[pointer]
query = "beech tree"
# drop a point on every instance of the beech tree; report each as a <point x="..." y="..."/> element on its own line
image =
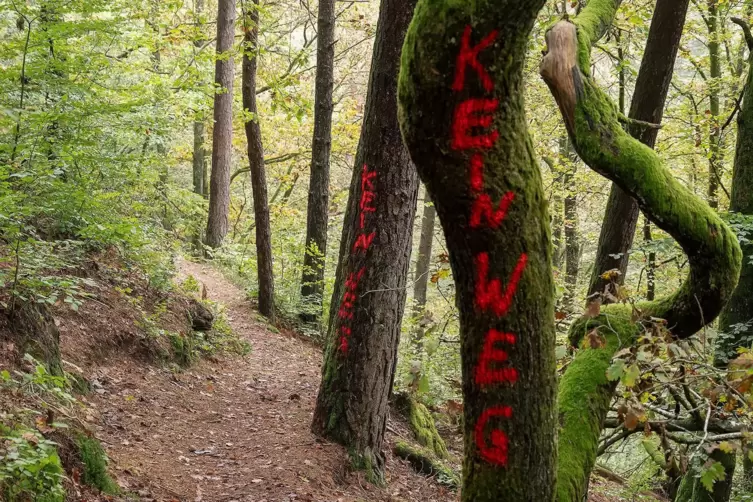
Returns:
<point x="222" y="143"/>
<point x="369" y="297"/>
<point x="317" y="215"/>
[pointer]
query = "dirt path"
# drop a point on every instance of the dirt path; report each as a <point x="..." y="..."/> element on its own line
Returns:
<point x="236" y="429"/>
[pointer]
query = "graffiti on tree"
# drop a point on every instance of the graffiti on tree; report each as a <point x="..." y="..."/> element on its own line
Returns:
<point x="471" y="125"/>
<point x="361" y="245"/>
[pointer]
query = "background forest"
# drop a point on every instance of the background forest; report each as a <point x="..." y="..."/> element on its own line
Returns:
<point x="129" y="143"/>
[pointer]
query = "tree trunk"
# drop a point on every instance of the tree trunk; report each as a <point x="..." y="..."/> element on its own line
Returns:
<point x="199" y="138"/>
<point x="572" y="246"/>
<point x="650" y="264"/>
<point x="222" y="136"/>
<point x="369" y="297"/>
<point x="312" y="283"/>
<point x="256" y="165"/>
<point x="423" y="262"/>
<point x="739" y="310"/>
<point x="651" y="88"/>
<point x="715" y="75"/>
<point x="462" y="117"/>
<point x="691" y="489"/>
<point x="558" y="215"/>
<point x="713" y="253"/>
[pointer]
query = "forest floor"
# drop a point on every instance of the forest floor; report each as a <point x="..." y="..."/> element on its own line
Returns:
<point x="228" y="428"/>
<point x="234" y="428"/>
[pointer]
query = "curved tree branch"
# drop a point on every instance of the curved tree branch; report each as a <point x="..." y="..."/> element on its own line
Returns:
<point x="592" y="120"/>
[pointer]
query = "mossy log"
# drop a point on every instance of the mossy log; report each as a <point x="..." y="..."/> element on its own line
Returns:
<point x="714" y="255"/>
<point x="424" y="462"/>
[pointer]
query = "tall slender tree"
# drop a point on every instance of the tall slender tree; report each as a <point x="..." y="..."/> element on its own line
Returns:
<point x="716" y="151"/>
<point x="312" y="283"/>
<point x="222" y="143"/>
<point x="651" y="88"/>
<point x="370" y="286"/>
<point x="199" y="126"/>
<point x="423" y="261"/>
<point x="265" y="272"/>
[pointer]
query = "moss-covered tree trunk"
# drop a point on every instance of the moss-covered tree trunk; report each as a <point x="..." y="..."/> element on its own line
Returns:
<point x="651" y="88"/>
<point x="714" y="255"/>
<point x="692" y="490"/>
<point x="370" y="288"/>
<point x="462" y="117"/>
<point x="713" y="19"/>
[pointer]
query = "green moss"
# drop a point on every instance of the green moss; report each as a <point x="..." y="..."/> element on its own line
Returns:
<point x="585" y="394"/>
<point x="95" y="461"/>
<point x="422" y="424"/>
<point x="366" y="461"/>
<point x="711" y="246"/>
<point x="424" y="462"/>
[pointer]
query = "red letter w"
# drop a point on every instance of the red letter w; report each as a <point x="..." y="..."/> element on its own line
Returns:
<point x="489" y="294"/>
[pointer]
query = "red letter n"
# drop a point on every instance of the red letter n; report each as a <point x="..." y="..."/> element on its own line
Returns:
<point x="489" y="294"/>
<point x="364" y="241"/>
<point x="482" y="208"/>
<point x="469" y="56"/>
<point x="486" y="372"/>
<point x="471" y="114"/>
<point x="496" y="452"/>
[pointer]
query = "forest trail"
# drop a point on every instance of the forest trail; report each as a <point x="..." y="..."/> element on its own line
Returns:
<point x="235" y="429"/>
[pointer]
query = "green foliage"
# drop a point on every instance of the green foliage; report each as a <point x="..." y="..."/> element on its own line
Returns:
<point x="30" y="468"/>
<point x="711" y="473"/>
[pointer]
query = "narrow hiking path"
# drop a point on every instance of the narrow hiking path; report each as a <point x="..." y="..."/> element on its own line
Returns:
<point x="234" y="429"/>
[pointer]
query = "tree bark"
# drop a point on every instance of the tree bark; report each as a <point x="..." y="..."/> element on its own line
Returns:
<point x="256" y="165"/>
<point x="423" y="263"/>
<point x="739" y="310"/>
<point x="650" y="264"/>
<point x="651" y="88"/>
<point x="715" y="75"/>
<point x="462" y="117"/>
<point x="713" y="252"/>
<point x="369" y="297"/>
<point x="572" y="235"/>
<point x="691" y="489"/>
<point x="312" y="283"/>
<point x="199" y="128"/>
<point x="222" y="136"/>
